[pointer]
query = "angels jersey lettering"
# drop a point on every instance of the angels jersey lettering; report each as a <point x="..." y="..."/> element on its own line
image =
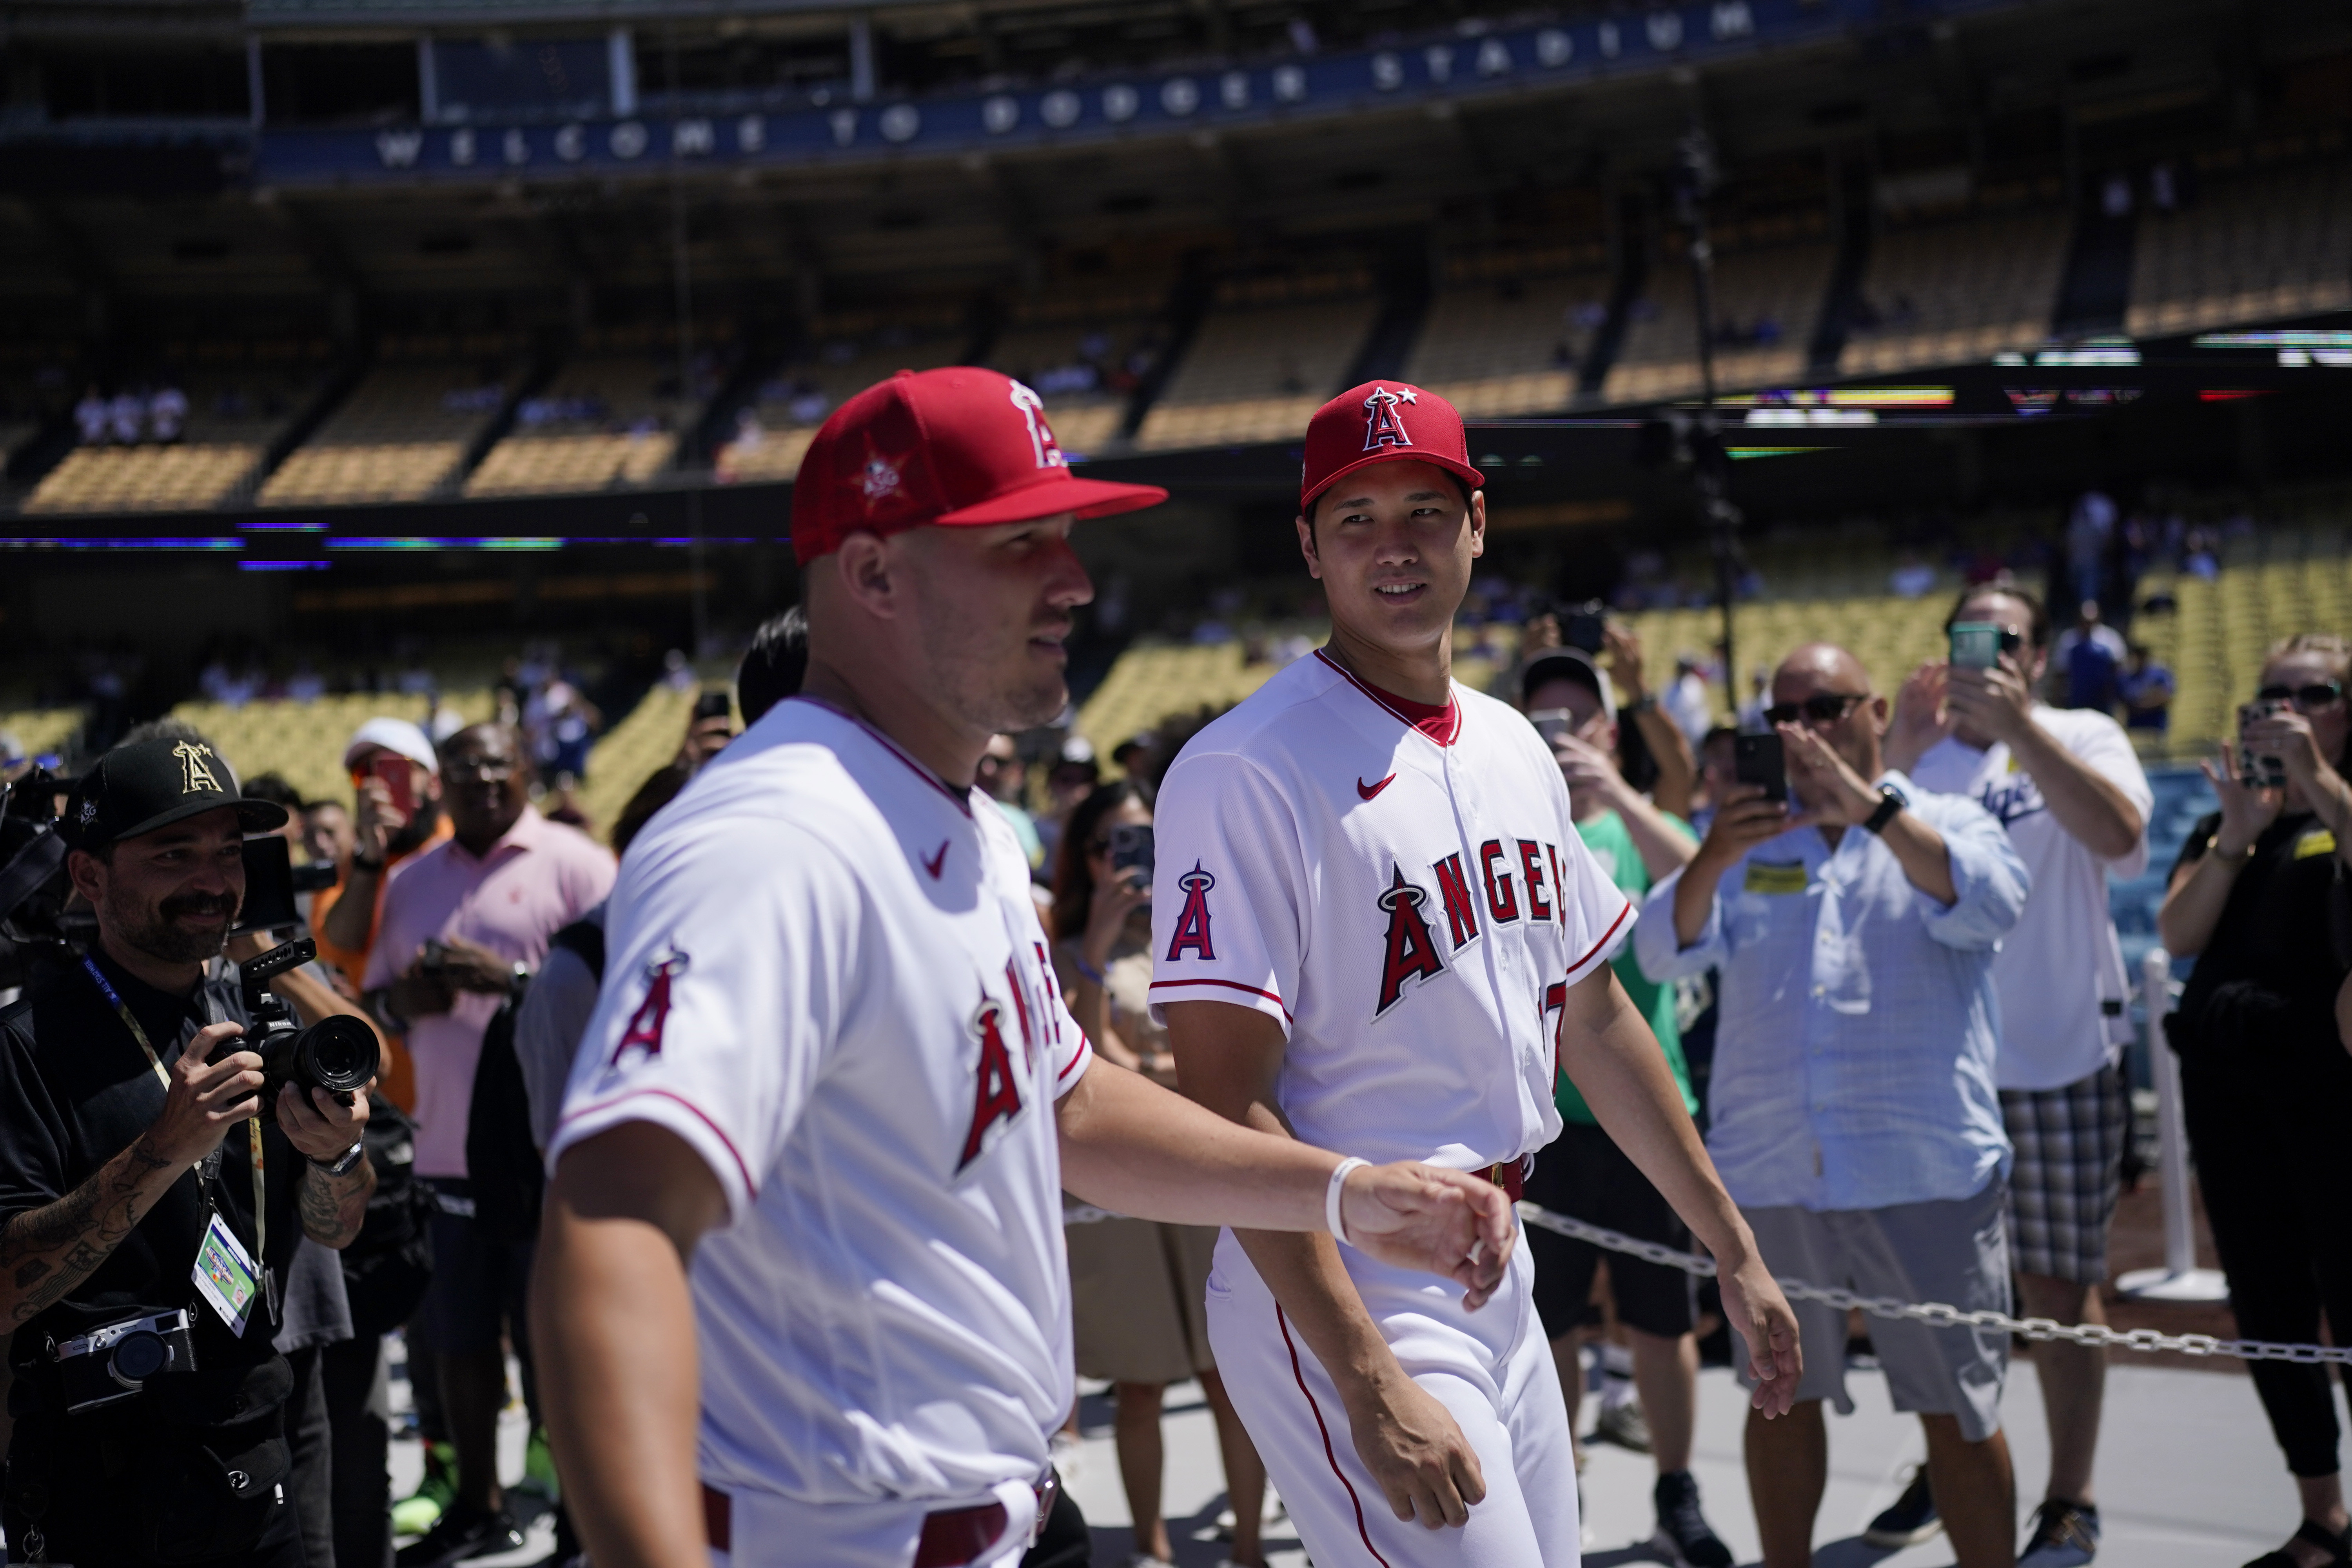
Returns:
<point x="865" y="1051"/>
<point x="1408" y="938"/>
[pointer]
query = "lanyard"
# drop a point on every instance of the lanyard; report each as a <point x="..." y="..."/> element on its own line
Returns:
<point x="252" y="1125"/>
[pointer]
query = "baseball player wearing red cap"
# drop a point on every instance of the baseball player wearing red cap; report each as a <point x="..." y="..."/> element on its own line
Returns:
<point x="819" y="1126"/>
<point x="1375" y="927"/>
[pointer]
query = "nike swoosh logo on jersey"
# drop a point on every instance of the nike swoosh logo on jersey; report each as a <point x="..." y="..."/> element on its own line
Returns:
<point x="1367" y="791"/>
<point x="932" y="863"/>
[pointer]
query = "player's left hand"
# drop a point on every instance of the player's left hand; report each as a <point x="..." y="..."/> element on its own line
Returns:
<point x="1440" y="1222"/>
<point x="1752" y="1301"/>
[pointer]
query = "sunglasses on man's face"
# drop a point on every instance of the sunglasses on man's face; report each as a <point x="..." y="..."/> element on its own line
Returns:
<point x="1821" y="707"/>
<point x="2319" y="694"/>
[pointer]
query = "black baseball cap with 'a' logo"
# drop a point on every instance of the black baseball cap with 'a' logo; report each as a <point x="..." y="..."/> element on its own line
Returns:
<point x="148" y="785"/>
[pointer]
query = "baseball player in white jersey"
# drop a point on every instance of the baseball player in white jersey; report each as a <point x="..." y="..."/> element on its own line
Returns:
<point x="819" y="1125"/>
<point x="1375" y="927"/>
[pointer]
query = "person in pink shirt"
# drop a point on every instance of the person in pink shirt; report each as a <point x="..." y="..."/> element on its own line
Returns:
<point x="464" y="924"/>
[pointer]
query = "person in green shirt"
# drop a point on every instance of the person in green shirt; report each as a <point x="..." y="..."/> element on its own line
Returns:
<point x="1572" y="701"/>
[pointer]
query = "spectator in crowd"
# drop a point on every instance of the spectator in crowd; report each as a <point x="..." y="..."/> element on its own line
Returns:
<point x="390" y="827"/>
<point x="1137" y="1287"/>
<point x="1071" y="778"/>
<point x="2067" y="787"/>
<point x="89" y="418"/>
<point x="328" y="836"/>
<point x="1583" y="1172"/>
<point x="1751" y="717"/>
<point x="2147" y="688"/>
<point x="126" y="417"/>
<point x="2089" y="528"/>
<point x="1657" y="756"/>
<point x="2091" y="652"/>
<point x="1686" y="701"/>
<point x="98" y="1227"/>
<point x="1005" y="780"/>
<point x="2257" y="899"/>
<point x="774" y="666"/>
<point x="1718" y="771"/>
<point x="1853" y="1113"/>
<point x="167" y="413"/>
<point x="462" y="925"/>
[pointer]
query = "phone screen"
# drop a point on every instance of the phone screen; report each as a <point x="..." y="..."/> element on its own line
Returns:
<point x="712" y="704"/>
<point x="1757" y="760"/>
<point x="2256" y="771"/>
<point x="1976" y="645"/>
<point x="395" y="772"/>
<point x="1551" y="724"/>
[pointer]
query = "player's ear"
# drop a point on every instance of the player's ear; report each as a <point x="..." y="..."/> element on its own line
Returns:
<point x="1306" y="546"/>
<point x="1478" y="524"/>
<point x="867" y="572"/>
<point x="88" y="873"/>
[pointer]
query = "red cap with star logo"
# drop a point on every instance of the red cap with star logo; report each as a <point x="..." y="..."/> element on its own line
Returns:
<point x="958" y="448"/>
<point x="1380" y="422"/>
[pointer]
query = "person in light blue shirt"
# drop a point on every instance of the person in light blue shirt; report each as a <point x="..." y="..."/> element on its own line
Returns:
<point x="1854" y="1116"/>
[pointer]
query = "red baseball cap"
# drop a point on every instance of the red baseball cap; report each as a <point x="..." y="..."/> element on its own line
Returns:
<point x="958" y="448"/>
<point x="1379" y="422"/>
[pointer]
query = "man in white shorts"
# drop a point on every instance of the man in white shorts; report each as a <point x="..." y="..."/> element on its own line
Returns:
<point x="820" y="1122"/>
<point x="1374" y="923"/>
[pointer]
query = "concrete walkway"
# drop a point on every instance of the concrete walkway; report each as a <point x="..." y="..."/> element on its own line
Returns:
<point x="2188" y="1475"/>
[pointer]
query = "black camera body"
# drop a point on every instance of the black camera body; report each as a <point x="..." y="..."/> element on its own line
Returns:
<point x="114" y="1362"/>
<point x="339" y="1054"/>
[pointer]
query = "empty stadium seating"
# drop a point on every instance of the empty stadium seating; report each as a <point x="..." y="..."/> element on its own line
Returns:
<point x="235" y="411"/>
<point x="403" y="431"/>
<point x="1268" y="354"/>
<point x="615" y="422"/>
<point x="2251" y="246"/>
<point x="40" y="730"/>
<point x="853" y="352"/>
<point x="1499" y="349"/>
<point x="1064" y="335"/>
<point x="1959" y="289"/>
<point x="1784" y="284"/>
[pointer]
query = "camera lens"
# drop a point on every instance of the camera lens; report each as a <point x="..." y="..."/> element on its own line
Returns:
<point x="337" y="1054"/>
<point x="138" y="1357"/>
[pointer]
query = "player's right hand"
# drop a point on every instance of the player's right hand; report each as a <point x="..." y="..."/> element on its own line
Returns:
<point x="1415" y="1450"/>
<point x="1448" y="1222"/>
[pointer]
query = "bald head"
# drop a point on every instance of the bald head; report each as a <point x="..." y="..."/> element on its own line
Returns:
<point x="1818" y="667"/>
<point x="1831" y="689"/>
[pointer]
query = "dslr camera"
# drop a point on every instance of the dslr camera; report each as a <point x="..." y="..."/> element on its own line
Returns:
<point x="114" y="1362"/>
<point x="338" y="1054"/>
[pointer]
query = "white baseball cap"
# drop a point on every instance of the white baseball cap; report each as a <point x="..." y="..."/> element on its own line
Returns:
<point x="395" y="735"/>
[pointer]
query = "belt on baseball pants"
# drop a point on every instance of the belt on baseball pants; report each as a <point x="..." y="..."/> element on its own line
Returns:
<point x="951" y="1537"/>
<point x="1511" y="1175"/>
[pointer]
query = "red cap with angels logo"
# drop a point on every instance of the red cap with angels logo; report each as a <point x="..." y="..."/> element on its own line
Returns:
<point x="961" y="447"/>
<point x="1380" y="422"/>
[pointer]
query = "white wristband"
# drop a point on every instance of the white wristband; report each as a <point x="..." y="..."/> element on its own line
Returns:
<point x="1331" y="1220"/>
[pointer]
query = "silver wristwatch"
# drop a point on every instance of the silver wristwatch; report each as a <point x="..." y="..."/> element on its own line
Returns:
<point x="342" y="1165"/>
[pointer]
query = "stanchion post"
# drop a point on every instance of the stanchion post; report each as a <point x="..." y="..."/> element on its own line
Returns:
<point x="2179" y="1280"/>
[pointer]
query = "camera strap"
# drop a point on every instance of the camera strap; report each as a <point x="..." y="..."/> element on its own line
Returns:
<point x="207" y="1170"/>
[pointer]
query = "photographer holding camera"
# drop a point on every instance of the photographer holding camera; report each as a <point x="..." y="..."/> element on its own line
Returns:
<point x="143" y="1232"/>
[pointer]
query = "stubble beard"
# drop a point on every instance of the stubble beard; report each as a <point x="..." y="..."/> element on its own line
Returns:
<point x="156" y="930"/>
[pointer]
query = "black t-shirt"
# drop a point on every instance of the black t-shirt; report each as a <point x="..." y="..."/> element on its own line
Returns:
<point x="2263" y="991"/>
<point x="75" y="1091"/>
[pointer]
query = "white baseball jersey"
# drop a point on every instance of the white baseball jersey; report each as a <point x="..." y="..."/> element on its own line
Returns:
<point x="828" y="979"/>
<point x="1405" y="892"/>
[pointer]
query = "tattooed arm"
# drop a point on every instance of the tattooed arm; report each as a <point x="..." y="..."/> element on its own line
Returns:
<point x="324" y="1129"/>
<point x="44" y="1253"/>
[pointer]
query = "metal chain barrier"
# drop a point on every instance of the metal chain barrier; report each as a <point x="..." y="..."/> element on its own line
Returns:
<point x="1935" y="1314"/>
<point x="1939" y="1315"/>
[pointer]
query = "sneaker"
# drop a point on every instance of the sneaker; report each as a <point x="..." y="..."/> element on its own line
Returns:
<point x="1625" y="1426"/>
<point x="422" y="1510"/>
<point x="2065" y="1535"/>
<point x="1911" y="1520"/>
<point x="1682" y="1526"/>
<point x="462" y="1532"/>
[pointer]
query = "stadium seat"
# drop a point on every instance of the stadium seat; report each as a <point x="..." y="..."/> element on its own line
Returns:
<point x="1495" y="350"/>
<point x="1784" y="284"/>
<point x="1257" y="370"/>
<point x="401" y="433"/>
<point x="609" y="421"/>
<point x="2253" y="245"/>
<point x="1956" y="290"/>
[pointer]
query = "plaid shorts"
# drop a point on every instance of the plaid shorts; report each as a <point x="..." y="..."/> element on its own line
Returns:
<point x="2069" y="1172"/>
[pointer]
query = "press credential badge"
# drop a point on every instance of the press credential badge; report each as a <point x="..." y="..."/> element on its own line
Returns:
<point x="226" y="1276"/>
